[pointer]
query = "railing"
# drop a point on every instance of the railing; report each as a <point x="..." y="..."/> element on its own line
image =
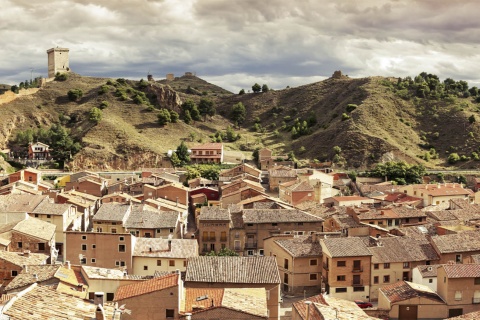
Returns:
<point x="223" y="239"/>
<point x="357" y="282"/>
<point x="357" y="269"/>
<point x="325" y="266"/>
<point x="475" y="300"/>
<point x="251" y="245"/>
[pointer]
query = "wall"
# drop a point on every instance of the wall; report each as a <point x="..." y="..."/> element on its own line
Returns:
<point x="139" y="264"/>
<point x="217" y="227"/>
<point x="10" y="95"/>
<point x="417" y="278"/>
<point x="448" y="286"/>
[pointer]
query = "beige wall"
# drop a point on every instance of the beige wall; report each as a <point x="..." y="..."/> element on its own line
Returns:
<point x="223" y="313"/>
<point x="152" y="265"/>
<point x="447" y="287"/>
<point x="210" y="233"/>
<point x="395" y="273"/>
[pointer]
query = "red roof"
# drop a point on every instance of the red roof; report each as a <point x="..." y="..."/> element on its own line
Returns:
<point x="149" y="286"/>
<point x="212" y="145"/>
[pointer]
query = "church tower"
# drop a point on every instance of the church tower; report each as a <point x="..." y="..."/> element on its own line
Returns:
<point x="57" y="61"/>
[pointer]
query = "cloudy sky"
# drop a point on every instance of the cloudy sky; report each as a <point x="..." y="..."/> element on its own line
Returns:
<point x="235" y="43"/>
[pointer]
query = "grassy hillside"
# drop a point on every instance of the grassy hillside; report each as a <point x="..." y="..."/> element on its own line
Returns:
<point x="370" y="119"/>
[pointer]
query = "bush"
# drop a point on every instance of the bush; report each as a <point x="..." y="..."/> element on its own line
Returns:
<point x="95" y="115"/>
<point x="241" y="92"/>
<point x="351" y="107"/>
<point x="104" y="104"/>
<point x="164" y="117"/>
<point x="61" y="76"/>
<point x="75" y="94"/>
<point x="345" y="116"/>
<point x="103" y="89"/>
<point x="453" y="158"/>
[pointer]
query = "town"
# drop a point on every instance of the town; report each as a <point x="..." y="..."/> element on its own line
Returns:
<point x="153" y="245"/>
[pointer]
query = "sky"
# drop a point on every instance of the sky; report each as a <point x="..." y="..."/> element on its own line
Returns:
<point x="236" y="43"/>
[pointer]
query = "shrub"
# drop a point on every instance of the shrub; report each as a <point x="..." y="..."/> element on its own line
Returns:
<point x="61" y="76"/>
<point x="164" y="117"/>
<point x="345" y="116"/>
<point x="104" y="104"/>
<point x="453" y="158"/>
<point x="351" y="107"/>
<point x="103" y="89"/>
<point x="241" y="92"/>
<point x="95" y="115"/>
<point x="75" y="94"/>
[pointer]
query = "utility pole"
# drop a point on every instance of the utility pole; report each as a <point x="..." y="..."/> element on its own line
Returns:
<point x="31" y="74"/>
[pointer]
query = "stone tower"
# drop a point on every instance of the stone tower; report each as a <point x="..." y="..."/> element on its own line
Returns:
<point x="57" y="61"/>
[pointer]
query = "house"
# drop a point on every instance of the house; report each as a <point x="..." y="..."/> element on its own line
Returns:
<point x="111" y="217"/>
<point x="154" y="254"/>
<point x="243" y="170"/>
<point x="459" y="286"/>
<point x="142" y="298"/>
<point x="280" y="174"/>
<point x="237" y="272"/>
<point x="173" y="192"/>
<point x="239" y="195"/>
<point x="100" y="249"/>
<point x="38" y="151"/>
<point x="119" y="197"/>
<point x="154" y="223"/>
<point x="436" y="194"/>
<point x="299" y="261"/>
<point x="394" y="258"/>
<point x="12" y="263"/>
<point x="295" y="192"/>
<point x="346" y="267"/>
<point x="91" y="184"/>
<point x="266" y="160"/>
<point x="408" y="300"/>
<point x="213" y="225"/>
<point x="347" y="201"/>
<point x="321" y="182"/>
<point x="426" y="275"/>
<point x="48" y="303"/>
<point x="29" y="175"/>
<point x="207" y="153"/>
<point x="456" y="247"/>
<point x="388" y="217"/>
<point x="225" y="303"/>
<point x="345" y="224"/>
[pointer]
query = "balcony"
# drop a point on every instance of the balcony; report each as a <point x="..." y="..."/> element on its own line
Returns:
<point x="357" y="283"/>
<point x="223" y="239"/>
<point x="357" y="269"/>
<point x="325" y="266"/>
<point x="475" y="300"/>
<point x="251" y="245"/>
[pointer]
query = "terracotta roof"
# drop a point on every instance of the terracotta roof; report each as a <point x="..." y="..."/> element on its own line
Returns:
<point x="213" y="213"/>
<point x="20" y="202"/>
<point x="428" y="271"/>
<point x="145" y="287"/>
<point x="347" y="221"/>
<point x="37" y="228"/>
<point x="300" y="186"/>
<point x="148" y="219"/>
<point x="459" y="242"/>
<point x="350" y="198"/>
<point x="301" y="246"/>
<point x="105" y="273"/>
<point x="112" y="211"/>
<point x="404" y="290"/>
<point x="302" y="307"/>
<point x="48" y="207"/>
<point x="211" y="295"/>
<point x="470" y="316"/>
<point x="232" y="270"/>
<point x="43" y="302"/>
<point x="462" y="270"/>
<point x="211" y="145"/>
<point x="277" y="215"/>
<point x="346" y="247"/>
<point x="441" y="215"/>
<point x="401" y="249"/>
<point x="27" y="276"/>
<point x="159" y="248"/>
<point x="20" y="259"/>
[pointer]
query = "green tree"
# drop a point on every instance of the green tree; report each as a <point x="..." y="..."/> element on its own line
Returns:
<point x="174" y="160"/>
<point x="164" y="117"/>
<point x="242" y="91"/>
<point x="187" y="117"/>
<point x="401" y="172"/>
<point x="182" y="154"/>
<point x="174" y="116"/>
<point x="223" y="253"/>
<point x="256" y="88"/>
<point x="238" y="113"/>
<point x="95" y="115"/>
<point x="75" y="94"/>
<point x="62" y="144"/>
<point x="471" y="119"/>
<point x="337" y="149"/>
<point x="265" y="88"/>
<point x="206" y="108"/>
<point x="190" y="106"/>
<point x="255" y="154"/>
<point x="231" y="135"/>
<point x="453" y="158"/>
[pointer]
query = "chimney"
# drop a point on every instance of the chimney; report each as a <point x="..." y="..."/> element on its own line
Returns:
<point x="67" y="263"/>
<point x="99" y="312"/>
<point x="26" y="253"/>
<point x="150" y="249"/>
<point x="314" y="237"/>
<point x="169" y="245"/>
<point x="35" y="276"/>
<point x="99" y="298"/>
<point x="125" y="273"/>
<point x="177" y="202"/>
<point x="25" y="268"/>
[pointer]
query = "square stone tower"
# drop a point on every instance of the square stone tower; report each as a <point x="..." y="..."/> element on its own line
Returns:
<point x="57" y="61"/>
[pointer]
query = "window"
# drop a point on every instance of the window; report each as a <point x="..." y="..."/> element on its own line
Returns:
<point x="313" y="262"/>
<point x="114" y="230"/>
<point x="406" y="265"/>
<point x="171" y="230"/>
<point x="171" y="263"/>
<point x="212" y="246"/>
<point x="274" y="224"/>
<point x="205" y="248"/>
<point x="117" y="263"/>
<point x="249" y="252"/>
<point x="212" y="236"/>
<point x="458" y="258"/>
<point x="340" y="278"/>
<point x="386" y="266"/>
<point x="430" y="280"/>
<point x="236" y="245"/>
<point x="261" y="252"/>
<point x="159" y="231"/>
<point x="94" y="260"/>
<point x="36" y="215"/>
<point x="223" y="236"/>
<point x="84" y="237"/>
<point x="285" y="263"/>
<point x="159" y="263"/>
<point x="313" y="276"/>
<point x="84" y="247"/>
<point x="145" y="267"/>
<point x="358" y="289"/>
<point x="299" y="223"/>
<point x="375" y="279"/>
<point x="121" y="238"/>
<point x="375" y="266"/>
<point x="121" y="248"/>
<point x="83" y="260"/>
<point x="48" y="216"/>
<point x="223" y="245"/>
<point x="205" y="236"/>
<point x="237" y="235"/>
<point x="386" y="279"/>
<point x="184" y="263"/>
<point x="169" y="313"/>
<point x="341" y="263"/>
<point x="458" y="295"/>
<point x="122" y="263"/>
<point x="19" y="245"/>
<point x="340" y="290"/>
<point x="477" y="281"/>
<point x="99" y="230"/>
<point x="41" y="246"/>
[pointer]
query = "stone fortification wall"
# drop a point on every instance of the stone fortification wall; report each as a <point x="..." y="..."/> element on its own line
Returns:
<point x="10" y="96"/>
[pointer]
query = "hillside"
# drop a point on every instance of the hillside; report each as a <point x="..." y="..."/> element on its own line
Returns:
<point x="383" y="124"/>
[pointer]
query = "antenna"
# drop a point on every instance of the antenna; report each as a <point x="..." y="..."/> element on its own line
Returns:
<point x="31" y="74"/>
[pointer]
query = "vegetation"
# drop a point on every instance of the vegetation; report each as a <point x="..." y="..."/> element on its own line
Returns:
<point x="265" y="88"/>
<point x="399" y="172"/>
<point x="256" y="88"/>
<point x="238" y="113"/>
<point x="61" y="76"/>
<point x="164" y="117"/>
<point x="206" y="107"/>
<point x="189" y="107"/>
<point x="75" y="94"/>
<point x="182" y="154"/>
<point x="223" y="252"/>
<point x="95" y="115"/>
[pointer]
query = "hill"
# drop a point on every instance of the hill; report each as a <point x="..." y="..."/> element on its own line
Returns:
<point x="367" y="120"/>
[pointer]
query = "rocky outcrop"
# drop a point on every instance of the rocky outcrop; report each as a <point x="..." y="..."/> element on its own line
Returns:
<point x="166" y="97"/>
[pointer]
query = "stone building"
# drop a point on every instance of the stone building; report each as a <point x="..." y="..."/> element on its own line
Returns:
<point x="57" y="61"/>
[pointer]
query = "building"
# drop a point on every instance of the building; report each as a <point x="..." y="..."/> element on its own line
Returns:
<point x="207" y="153"/>
<point x="436" y="194"/>
<point x="57" y="61"/>
<point x="214" y="225"/>
<point x="426" y="275"/>
<point x="38" y="151"/>
<point x="456" y="247"/>
<point x="346" y="267"/>
<point x="347" y="201"/>
<point x="12" y="263"/>
<point x="237" y="272"/>
<point x="280" y="174"/>
<point x="29" y="175"/>
<point x="295" y="192"/>
<point x="111" y="217"/>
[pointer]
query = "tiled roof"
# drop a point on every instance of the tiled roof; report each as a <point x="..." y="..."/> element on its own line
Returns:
<point x="37" y="228"/>
<point x="21" y="259"/>
<point x="462" y="270"/>
<point x="346" y="247"/>
<point x="347" y="221"/>
<point x="112" y="211"/>
<point x="48" y="207"/>
<point x="406" y="212"/>
<point x="301" y="246"/>
<point x="404" y="290"/>
<point x="105" y="273"/>
<point x="341" y="309"/>
<point x="208" y="146"/>
<point x="300" y="186"/>
<point x="148" y="219"/>
<point x="350" y="198"/>
<point x="428" y="271"/>
<point x="211" y="295"/>
<point x="467" y="316"/>
<point x="232" y="270"/>
<point x="402" y="249"/>
<point x="20" y="202"/>
<point x="459" y="242"/>
<point x="43" y="302"/>
<point x="441" y="215"/>
<point x="282" y="173"/>
<point x="27" y="276"/>
<point x="145" y="287"/>
<point x="159" y="248"/>
<point x="213" y="213"/>
<point x="302" y="307"/>
<point x="277" y="215"/>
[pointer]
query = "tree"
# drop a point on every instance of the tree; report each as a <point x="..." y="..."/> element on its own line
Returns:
<point x="337" y="149"/>
<point x="265" y="88"/>
<point x="62" y="144"/>
<point x="190" y="106"/>
<point x="75" y="94"/>
<point x="223" y="252"/>
<point x="242" y="91"/>
<point x="174" y="160"/>
<point x="206" y="108"/>
<point x="174" y="116"/>
<point x="95" y="114"/>
<point x="453" y="158"/>
<point x="182" y="153"/>
<point x="164" y="117"/>
<point x="256" y="88"/>
<point x="238" y="113"/>
<point x="471" y="119"/>
<point x="400" y="172"/>
<point x="187" y="117"/>
<point x="255" y="155"/>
